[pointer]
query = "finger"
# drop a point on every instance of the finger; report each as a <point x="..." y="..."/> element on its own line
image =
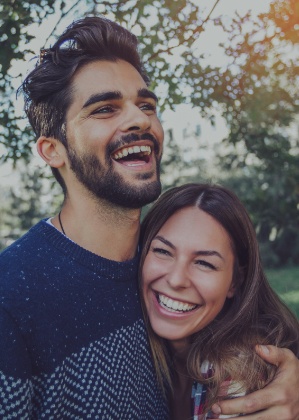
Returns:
<point x="273" y="413"/>
<point x="275" y="355"/>
<point x="251" y="403"/>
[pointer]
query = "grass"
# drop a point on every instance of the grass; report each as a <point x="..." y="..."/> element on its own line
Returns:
<point x="285" y="282"/>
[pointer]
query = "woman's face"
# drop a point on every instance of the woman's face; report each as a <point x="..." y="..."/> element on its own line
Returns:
<point x="187" y="274"/>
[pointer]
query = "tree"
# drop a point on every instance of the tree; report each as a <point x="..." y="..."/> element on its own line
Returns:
<point x="260" y="103"/>
<point x="15" y="18"/>
<point x="258" y="73"/>
<point x="26" y="204"/>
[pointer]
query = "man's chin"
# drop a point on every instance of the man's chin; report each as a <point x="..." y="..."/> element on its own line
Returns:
<point x="136" y="198"/>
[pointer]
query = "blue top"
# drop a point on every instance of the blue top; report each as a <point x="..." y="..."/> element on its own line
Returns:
<point x="73" y="343"/>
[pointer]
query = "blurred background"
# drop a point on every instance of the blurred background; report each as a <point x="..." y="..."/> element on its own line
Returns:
<point x="227" y="76"/>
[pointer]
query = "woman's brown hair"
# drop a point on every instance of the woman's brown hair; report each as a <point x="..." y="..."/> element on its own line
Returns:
<point x="255" y="315"/>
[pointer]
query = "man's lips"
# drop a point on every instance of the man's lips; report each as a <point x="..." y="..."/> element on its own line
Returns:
<point x="134" y="152"/>
<point x="134" y="147"/>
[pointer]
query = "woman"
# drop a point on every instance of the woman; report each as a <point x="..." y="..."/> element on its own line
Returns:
<point x="207" y="298"/>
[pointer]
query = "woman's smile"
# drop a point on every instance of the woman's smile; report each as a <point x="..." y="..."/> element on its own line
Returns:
<point x="174" y="305"/>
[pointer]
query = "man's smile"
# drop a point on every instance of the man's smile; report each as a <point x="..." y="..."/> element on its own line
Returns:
<point x="129" y="153"/>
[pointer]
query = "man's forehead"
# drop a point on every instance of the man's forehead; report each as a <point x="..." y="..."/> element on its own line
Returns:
<point x="108" y="71"/>
<point x="100" y="80"/>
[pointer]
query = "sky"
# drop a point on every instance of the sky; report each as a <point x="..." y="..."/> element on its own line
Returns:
<point x="183" y="116"/>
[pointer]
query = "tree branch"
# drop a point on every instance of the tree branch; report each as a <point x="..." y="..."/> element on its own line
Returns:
<point x="60" y="19"/>
<point x="194" y="33"/>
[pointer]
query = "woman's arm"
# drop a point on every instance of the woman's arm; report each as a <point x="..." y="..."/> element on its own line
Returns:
<point x="278" y="400"/>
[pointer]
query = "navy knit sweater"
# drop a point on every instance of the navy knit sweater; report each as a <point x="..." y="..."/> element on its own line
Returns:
<point x="73" y="343"/>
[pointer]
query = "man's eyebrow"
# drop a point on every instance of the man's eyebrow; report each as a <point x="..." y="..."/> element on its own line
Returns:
<point x="103" y="96"/>
<point x="145" y="93"/>
<point x="116" y="95"/>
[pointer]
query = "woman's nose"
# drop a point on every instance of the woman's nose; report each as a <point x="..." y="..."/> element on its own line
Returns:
<point x="178" y="277"/>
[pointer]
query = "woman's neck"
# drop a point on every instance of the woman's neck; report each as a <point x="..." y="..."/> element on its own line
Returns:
<point x="180" y="401"/>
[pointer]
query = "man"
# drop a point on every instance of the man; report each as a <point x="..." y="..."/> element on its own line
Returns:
<point x="73" y="343"/>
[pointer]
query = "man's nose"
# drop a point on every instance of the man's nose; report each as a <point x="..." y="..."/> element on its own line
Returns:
<point x="135" y="120"/>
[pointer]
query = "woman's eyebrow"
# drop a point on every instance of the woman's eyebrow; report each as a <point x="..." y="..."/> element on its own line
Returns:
<point x="165" y="241"/>
<point x="208" y="253"/>
<point x="103" y="96"/>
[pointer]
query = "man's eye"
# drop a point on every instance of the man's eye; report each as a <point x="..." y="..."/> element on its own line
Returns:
<point x="103" y="110"/>
<point x="148" y="107"/>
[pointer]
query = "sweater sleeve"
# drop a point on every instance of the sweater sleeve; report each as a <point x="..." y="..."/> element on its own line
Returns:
<point x="15" y="371"/>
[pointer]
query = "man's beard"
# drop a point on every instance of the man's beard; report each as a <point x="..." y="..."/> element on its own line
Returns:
<point x="104" y="183"/>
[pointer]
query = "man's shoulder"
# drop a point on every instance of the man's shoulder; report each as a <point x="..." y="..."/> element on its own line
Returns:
<point x="23" y="243"/>
<point x="21" y="255"/>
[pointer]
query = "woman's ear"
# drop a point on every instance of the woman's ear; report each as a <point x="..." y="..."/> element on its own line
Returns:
<point x="237" y="281"/>
<point x="231" y="291"/>
<point x="51" y="151"/>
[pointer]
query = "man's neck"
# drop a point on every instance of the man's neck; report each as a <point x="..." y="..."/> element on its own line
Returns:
<point x="109" y="231"/>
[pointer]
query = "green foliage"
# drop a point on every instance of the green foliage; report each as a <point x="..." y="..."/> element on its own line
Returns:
<point x="285" y="282"/>
<point x="271" y="196"/>
<point x="26" y="204"/>
<point x="15" y="18"/>
<point x="260" y="101"/>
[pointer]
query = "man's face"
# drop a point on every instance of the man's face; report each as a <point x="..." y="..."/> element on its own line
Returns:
<point x="113" y="133"/>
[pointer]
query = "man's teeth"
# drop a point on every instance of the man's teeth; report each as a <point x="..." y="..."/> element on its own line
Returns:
<point x="145" y="150"/>
<point x="175" y="305"/>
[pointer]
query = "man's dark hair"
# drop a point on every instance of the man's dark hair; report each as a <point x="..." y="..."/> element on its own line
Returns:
<point x="47" y="89"/>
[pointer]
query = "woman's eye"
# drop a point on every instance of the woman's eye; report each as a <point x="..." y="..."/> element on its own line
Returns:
<point x="205" y="264"/>
<point x="161" y="251"/>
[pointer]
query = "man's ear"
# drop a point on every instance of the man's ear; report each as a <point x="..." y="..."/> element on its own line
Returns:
<point x="51" y="151"/>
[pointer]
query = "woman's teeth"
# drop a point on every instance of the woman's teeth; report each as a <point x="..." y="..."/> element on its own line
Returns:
<point x="174" y="305"/>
